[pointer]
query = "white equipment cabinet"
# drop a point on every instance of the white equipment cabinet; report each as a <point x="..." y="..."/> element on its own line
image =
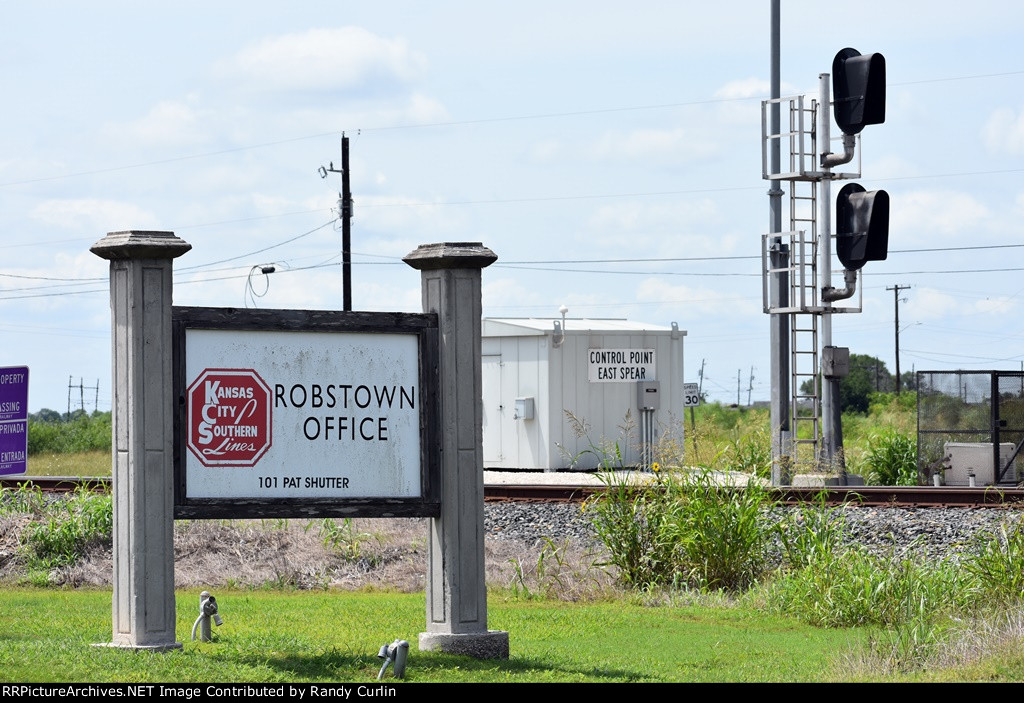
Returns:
<point x="534" y="371"/>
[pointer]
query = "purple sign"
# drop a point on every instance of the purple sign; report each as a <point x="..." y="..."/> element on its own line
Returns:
<point x="13" y="420"/>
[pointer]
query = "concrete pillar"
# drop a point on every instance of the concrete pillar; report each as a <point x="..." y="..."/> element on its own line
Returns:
<point x="143" y="419"/>
<point x="456" y="590"/>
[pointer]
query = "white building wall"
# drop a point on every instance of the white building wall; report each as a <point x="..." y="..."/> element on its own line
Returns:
<point x="525" y="363"/>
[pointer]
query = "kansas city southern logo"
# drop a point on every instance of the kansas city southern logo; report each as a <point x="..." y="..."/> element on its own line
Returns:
<point x="229" y="417"/>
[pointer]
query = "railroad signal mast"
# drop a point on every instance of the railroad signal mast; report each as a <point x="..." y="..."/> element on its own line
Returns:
<point x="797" y="265"/>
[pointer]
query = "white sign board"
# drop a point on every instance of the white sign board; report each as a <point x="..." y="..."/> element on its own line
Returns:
<point x="620" y="365"/>
<point x="691" y="395"/>
<point x="283" y="414"/>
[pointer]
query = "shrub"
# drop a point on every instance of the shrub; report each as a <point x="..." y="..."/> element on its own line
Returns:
<point x="687" y="530"/>
<point x="81" y="433"/>
<point x="630" y="522"/>
<point x="720" y="533"/>
<point x="67" y="529"/>
<point x="892" y="459"/>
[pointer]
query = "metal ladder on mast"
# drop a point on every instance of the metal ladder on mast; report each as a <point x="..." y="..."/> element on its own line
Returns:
<point x="804" y="306"/>
<point x="805" y="385"/>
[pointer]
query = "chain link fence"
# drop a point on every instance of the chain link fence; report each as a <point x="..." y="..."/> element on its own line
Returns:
<point x="970" y="426"/>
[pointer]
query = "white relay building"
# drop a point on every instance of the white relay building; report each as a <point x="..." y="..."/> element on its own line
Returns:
<point x="535" y="371"/>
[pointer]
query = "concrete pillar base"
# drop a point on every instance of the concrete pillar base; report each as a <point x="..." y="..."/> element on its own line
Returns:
<point x="492" y="644"/>
<point x="168" y="647"/>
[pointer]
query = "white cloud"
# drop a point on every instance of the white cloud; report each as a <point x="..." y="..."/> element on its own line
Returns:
<point x="1004" y="131"/>
<point x="1000" y="305"/>
<point x="421" y="108"/>
<point x="334" y="59"/>
<point x="169" y="123"/>
<point x="499" y="293"/>
<point x="742" y="106"/>
<point x="93" y="215"/>
<point x="288" y="117"/>
<point x="931" y="304"/>
<point x="745" y="88"/>
<point x="922" y="216"/>
<point x="84" y="264"/>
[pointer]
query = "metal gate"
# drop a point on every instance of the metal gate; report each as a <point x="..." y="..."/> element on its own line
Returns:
<point x="1008" y="419"/>
<point x="970" y="421"/>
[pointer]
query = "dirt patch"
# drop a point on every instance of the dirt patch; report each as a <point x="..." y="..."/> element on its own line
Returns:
<point x="386" y="554"/>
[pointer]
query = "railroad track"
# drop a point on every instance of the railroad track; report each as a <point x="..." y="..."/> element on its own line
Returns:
<point x="867" y="496"/>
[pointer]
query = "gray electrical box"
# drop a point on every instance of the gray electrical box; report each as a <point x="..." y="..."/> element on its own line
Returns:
<point x="648" y="395"/>
<point x="835" y="362"/>
<point x="524" y="409"/>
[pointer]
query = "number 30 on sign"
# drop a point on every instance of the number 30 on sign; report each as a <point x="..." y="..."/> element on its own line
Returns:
<point x="691" y="395"/>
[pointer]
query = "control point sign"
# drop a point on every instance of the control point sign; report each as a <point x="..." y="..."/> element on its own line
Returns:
<point x="229" y="417"/>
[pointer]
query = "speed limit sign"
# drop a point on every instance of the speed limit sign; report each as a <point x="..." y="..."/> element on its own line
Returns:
<point x="691" y="395"/>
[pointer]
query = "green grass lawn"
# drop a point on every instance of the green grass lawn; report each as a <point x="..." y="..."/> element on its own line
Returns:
<point x="273" y="636"/>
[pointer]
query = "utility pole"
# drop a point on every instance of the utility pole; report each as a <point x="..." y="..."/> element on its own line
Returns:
<point x="750" y="386"/>
<point x="346" y="225"/>
<point x="345" y="212"/>
<point x="896" y="304"/>
<point x="700" y="394"/>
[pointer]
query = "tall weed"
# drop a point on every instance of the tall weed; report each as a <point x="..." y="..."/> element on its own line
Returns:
<point x="997" y="564"/>
<point x="685" y="530"/>
<point x="720" y="533"/>
<point x="631" y="522"/>
<point x="68" y="527"/>
<point x="80" y="434"/>
<point x="812" y="533"/>
<point x="892" y="459"/>
<point x="855" y="587"/>
<point x="25" y="499"/>
<point x="556" y="574"/>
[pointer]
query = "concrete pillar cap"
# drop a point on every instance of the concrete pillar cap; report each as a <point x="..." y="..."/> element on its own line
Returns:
<point x="139" y="244"/>
<point x="451" y="255"/>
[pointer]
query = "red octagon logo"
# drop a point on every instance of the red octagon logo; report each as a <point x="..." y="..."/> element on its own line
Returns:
<point x="229" y="417"/>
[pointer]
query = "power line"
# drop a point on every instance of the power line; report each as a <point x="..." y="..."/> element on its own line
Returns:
<point x="530" y="262"/>
<point x="957" y="78"/>
<point x="258" y="251"/>
<point x="456" y="123"/>
<point x="552" y="269"/>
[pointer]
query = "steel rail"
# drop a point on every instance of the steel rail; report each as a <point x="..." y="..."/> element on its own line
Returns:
<point x="867" y="496"/>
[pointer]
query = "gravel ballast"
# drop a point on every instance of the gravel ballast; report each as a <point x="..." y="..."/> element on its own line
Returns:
<point x="931" y="532"/>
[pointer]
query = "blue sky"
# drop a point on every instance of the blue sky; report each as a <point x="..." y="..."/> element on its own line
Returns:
<point x="552" y="132"/>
